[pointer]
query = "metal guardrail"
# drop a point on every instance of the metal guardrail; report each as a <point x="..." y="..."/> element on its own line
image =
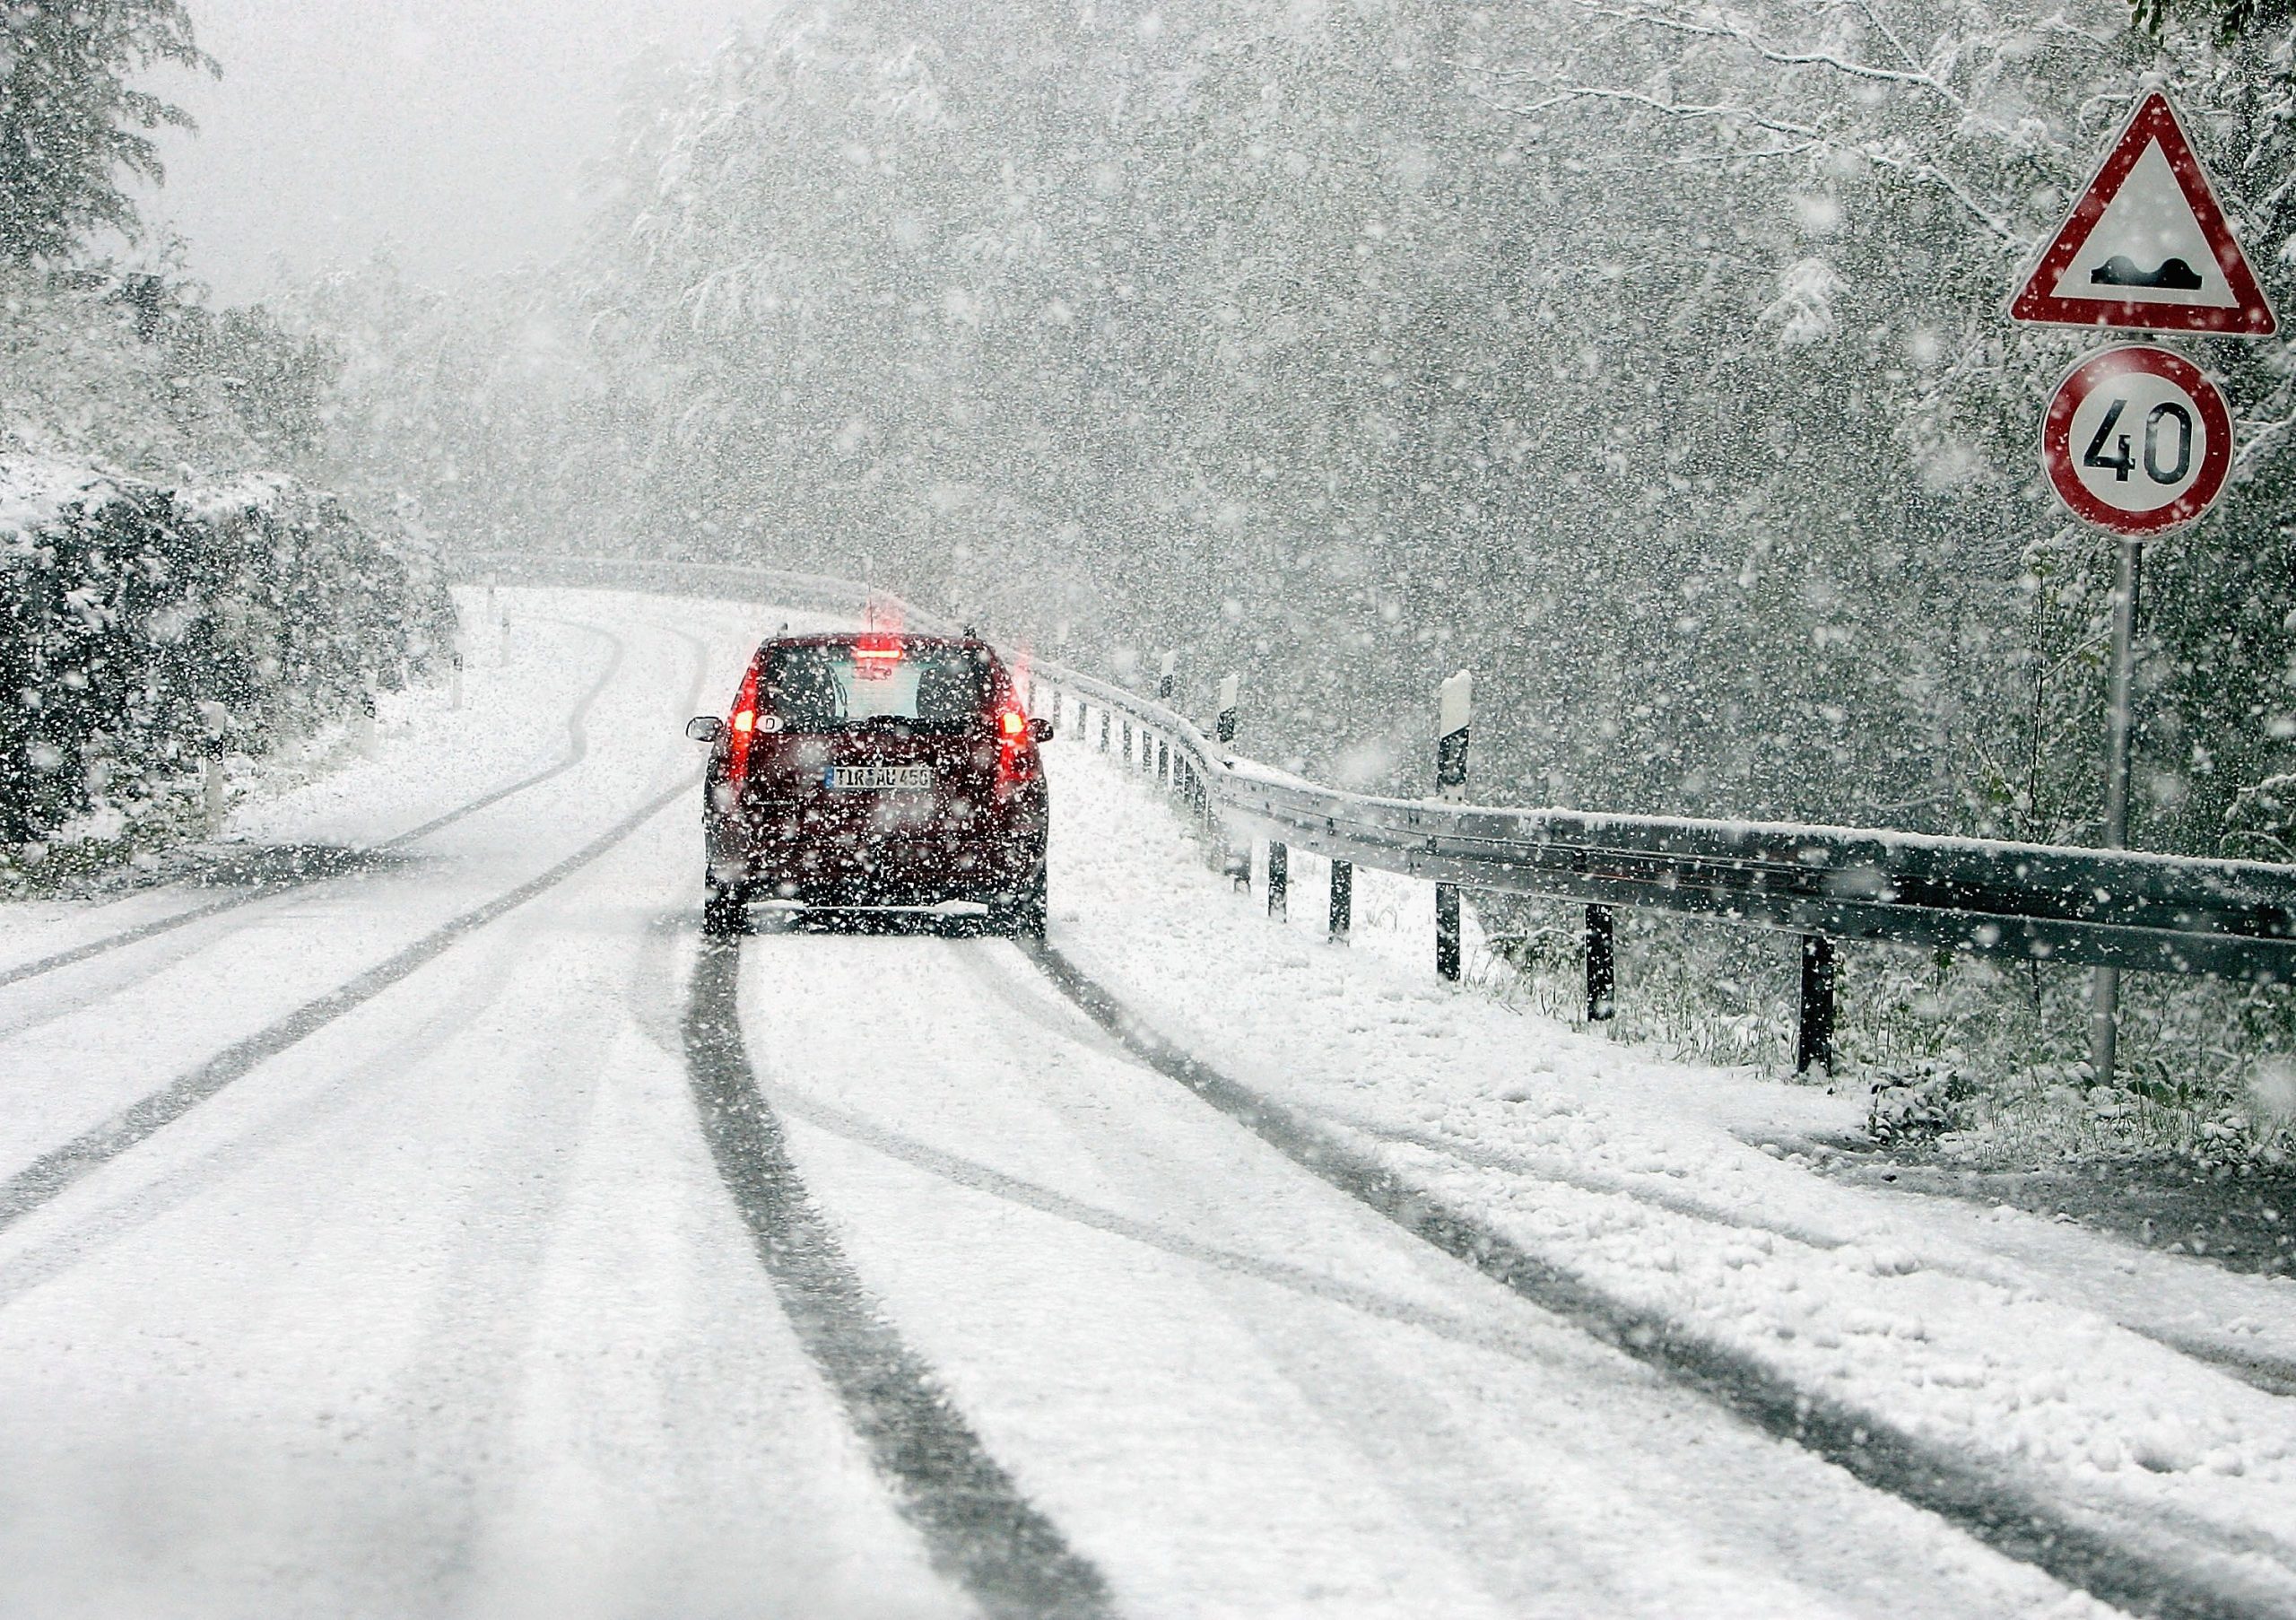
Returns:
<point x="2234" y="919"/>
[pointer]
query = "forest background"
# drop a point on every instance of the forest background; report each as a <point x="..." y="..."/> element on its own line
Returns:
<point x="1649" y="360"/>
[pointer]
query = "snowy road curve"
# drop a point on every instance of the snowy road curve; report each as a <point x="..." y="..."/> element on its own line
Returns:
<point x="458" y="1235"/>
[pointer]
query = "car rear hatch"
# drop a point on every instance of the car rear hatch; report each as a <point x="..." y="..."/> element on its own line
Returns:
<point x="883" y="765"/>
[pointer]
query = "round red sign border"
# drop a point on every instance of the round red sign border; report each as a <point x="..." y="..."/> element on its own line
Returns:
<point x="2057" y="437"/>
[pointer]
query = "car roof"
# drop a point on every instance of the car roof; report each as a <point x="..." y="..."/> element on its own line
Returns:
<point x="852" y="638"/>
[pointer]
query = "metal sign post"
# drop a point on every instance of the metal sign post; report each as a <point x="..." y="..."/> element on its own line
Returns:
<point x="2104" y="984"/>
<point x="2136" y="439"/>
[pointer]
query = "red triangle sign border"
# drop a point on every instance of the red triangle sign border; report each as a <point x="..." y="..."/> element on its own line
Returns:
<point x="2154" y="120"/>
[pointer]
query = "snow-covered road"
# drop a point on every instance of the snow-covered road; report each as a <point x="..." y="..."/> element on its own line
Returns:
<point x="458" y="1235"/>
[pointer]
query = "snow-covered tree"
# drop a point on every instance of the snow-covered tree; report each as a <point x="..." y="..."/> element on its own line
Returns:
<point x="74" y="126"/>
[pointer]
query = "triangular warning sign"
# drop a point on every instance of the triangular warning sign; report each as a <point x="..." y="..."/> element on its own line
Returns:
<point x="2146" y="247"/>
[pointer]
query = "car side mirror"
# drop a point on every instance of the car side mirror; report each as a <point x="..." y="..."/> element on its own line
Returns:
<point x="705" y="729"/>
<point x="1041" y="730"/>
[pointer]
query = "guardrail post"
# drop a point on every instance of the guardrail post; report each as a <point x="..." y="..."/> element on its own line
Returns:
<point x="1163" y="763"/>
<point x="1104" y="729"/>
<point x="1224" y="728"/>
<point x="1454" y="709"/>
<point x="1814" y="1042"/>
<point x="1279" y="880"/>
<point x="1165" y="677"/>
<point x="1446" y="931"/>
<point x="362" y="723"/>
<point x="1342" y="899"/>
<point x="1127" y="739"/>
<point x="1602" y="980"/>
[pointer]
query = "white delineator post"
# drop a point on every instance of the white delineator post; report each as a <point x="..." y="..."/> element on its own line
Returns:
<point x="1454" y="714"/>
<point x="211" y="787"/>
<point x="1156" y="761"/>
<point x="1235" y="862"/>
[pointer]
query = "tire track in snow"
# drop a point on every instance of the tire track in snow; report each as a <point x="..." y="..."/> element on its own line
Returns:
<point x="2099" y="1560"/>
<point x="56" y="1171"/>
<point x="578" y="750"/>
<point x="2271" y="1374"/>
<point x="979" y="1531"/>
<point x="41" y="1260"/>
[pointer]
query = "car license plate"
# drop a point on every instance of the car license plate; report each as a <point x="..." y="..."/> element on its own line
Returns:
<point x="878" y="779"/>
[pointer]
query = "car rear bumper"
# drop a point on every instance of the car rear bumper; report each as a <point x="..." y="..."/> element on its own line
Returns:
<point x="784" y="855"/>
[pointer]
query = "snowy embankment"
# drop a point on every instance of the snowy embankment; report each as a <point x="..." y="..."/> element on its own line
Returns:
<point x="1998" y="1337"/>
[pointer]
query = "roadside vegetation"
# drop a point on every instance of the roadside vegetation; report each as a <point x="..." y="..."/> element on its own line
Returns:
<point x="1962" y="1060"/>
<point x="173" y="587"/>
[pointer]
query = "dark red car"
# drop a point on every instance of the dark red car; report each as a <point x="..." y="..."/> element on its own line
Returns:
<point x="875" y="769"/>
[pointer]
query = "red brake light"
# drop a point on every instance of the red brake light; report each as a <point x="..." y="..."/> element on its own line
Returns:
<point x="874" y="657"/>
<point x="1015" y="761"/>
<point x="737" y="746"/>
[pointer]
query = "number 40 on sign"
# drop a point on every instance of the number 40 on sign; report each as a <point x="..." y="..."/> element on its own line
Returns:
<point x="2138" y="440"/>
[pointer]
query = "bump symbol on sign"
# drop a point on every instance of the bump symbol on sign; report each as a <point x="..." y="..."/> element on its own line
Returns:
<point x="2137" y="440"/>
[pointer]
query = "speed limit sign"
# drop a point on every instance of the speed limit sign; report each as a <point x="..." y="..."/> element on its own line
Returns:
<point x="2138" y="440"/>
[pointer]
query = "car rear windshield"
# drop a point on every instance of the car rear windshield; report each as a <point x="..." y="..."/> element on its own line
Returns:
<point x="842" y="688"/>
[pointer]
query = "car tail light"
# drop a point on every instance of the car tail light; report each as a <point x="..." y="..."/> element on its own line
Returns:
<point x="1015" y="761"/>
<point x="744" y="727"/>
